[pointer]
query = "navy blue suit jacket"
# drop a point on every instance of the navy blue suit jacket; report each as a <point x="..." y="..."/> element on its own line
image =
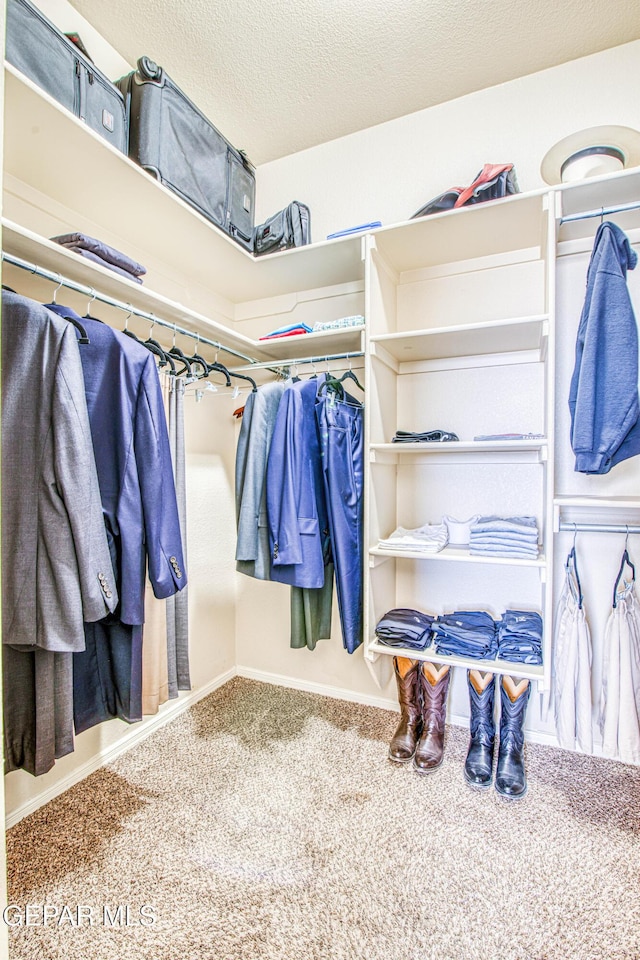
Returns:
<point x="296" y="505"/>
<point x="133" y="459"/>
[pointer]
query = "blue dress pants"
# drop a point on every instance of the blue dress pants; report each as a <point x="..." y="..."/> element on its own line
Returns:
<point x="107" y="675"/>
<point x="341" y="433"/>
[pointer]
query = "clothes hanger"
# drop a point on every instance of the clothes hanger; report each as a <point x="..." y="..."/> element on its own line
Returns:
<point x="243" y="376"/>
<point x="335" y="383"/>
<point x="626" y="561"/>
<point x="175" y="351"/>
<point x="220" y="368"/>
<point x="196" y="358"/>
<point x="572" y="561"/>
<point x="159" y="351"/>
<point x="83" y="338"/>
<point x="350" y="375"/>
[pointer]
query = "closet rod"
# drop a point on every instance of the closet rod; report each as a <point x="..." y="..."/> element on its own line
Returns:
<point x="118" y="304"/>
<point x="272" y="364"/>
<point x="566" y="527"/>
<point x="600" y="212"/>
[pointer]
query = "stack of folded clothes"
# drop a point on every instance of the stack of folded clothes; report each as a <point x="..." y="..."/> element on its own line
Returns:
<point x="102" y="253"/>
<point x="402" y="627"/>
<point x="466" y="633"/>
<point x="520" y="636"/>
<point x="291" y="331"/>
<point x="515" y="537"/>
<point x="430" y="538"/>
<point x="355" y="321"/>
<point x="432" y="436"/>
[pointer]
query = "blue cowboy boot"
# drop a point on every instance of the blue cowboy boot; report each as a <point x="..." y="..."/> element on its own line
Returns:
<point x="511" y="780"/>
<point x="478" y="767"/>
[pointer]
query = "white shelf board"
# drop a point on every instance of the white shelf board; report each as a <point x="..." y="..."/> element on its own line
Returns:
<point x="42" y="140"/>
<point x="458" y="554"/>
<point x="609" y="190"/>
<point x="45" y="253"/>
<point x="493" y="227"/>
<point x="526" y="670"/>
<point x="598" y="503"/>
<point x="460" y="446"/>
<point x="320" y="344"/>
<point x="467" y="339"/>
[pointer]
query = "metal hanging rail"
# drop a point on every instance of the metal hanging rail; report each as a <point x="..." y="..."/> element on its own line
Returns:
<point x="567" y="527"/>
<point x="298" y="361"/>
<point x="119" y="305"/>
<point x="600" y="212"/>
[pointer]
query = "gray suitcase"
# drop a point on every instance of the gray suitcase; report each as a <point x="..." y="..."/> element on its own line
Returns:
<point x="174" y="141"/>
<point x="42" y="53"/>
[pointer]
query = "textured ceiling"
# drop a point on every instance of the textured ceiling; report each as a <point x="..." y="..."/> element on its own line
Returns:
<point x="277" y="76"/>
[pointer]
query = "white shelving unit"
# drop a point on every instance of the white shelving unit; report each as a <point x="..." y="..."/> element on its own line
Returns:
<point x="460" y="338"/>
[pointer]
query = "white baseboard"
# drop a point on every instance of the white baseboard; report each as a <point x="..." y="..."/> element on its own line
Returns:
<point x="135" y="734"/>
<point x="326" y="690"/>
<point x="341" y="693"/>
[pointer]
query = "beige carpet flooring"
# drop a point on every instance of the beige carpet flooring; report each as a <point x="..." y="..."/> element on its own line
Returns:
<point x="268" y="823"/>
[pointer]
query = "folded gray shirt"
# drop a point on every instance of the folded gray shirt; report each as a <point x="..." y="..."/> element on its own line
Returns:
<point x="115" y="257"/>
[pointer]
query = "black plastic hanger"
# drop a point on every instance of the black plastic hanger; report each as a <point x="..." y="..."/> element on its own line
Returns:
<point x="71" y="316"/>
<point x="242" y="376"/>
<point x="196" y="358"/>
<point x="154" y="347"/>
<point x="626" y="561"/>
<point x="350" y="375"/>
<point x="572" y="561"/>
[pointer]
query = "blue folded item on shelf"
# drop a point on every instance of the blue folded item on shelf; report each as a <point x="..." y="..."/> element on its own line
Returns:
<point x="466" y="633"/>
<point x="288" y="328"/>
<point x="404" y="627"/>
<point x="502" y="525"/>
<point x="520" y="637"/>
<point x="510" y="537"/>
<point x="373" y="225"/>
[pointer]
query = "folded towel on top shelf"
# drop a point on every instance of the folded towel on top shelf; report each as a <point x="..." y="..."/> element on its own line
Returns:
<point x="107" y="256"/>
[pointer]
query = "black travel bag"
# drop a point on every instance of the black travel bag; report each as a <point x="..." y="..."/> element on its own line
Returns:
<point x="290" y="227"/>
<point x="43" y="54"/>
<point x="174" y="141"/>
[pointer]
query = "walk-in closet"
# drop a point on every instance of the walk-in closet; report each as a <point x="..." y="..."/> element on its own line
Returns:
<point x="253" y="811"/>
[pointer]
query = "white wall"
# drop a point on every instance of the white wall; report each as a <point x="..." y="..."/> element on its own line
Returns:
<point x="389" y="171"/>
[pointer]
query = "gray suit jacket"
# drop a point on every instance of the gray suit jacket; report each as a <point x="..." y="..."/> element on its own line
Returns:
<point x="258" y="421"/>
<point x="56" y="565"/>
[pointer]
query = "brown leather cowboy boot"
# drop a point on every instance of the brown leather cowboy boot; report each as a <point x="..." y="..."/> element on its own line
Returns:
<point x="403" y="742"/>
<point x="434" y="686"/>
